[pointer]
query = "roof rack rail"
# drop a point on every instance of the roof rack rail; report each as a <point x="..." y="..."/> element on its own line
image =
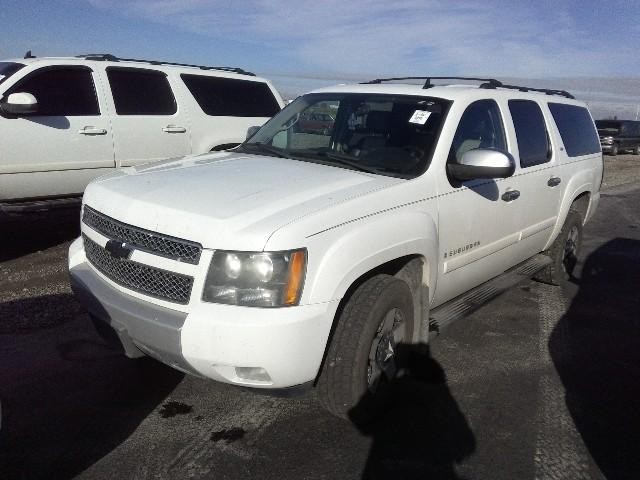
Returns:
<point x="547" y="91"/>
<point x="107" y="57"/>
<point x="490" y="83"/>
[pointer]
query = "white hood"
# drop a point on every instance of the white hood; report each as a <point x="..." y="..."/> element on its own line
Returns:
<point x="225" y="200"/>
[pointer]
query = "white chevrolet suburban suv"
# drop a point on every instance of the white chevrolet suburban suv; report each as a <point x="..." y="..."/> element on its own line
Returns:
<point x="305" y="258"/>
<point x="66" y="121"/>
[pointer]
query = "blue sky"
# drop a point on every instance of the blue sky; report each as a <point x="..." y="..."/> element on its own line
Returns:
<point x="303" y="44"/>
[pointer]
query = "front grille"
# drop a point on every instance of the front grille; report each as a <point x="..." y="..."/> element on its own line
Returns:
<point x="156" y="243"/>
<point x="154" y="282"/>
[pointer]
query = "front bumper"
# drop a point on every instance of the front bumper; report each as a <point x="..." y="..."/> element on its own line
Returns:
<point x="210" y="340"/>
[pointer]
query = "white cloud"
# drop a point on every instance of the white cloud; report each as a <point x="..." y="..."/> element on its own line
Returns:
<point x="403" y="36"/>
<point x="325" y="41"/>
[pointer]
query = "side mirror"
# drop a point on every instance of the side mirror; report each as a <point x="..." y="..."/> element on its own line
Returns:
<point x="19" y="104"/>
<point x="482" y="163"/>
<point x="251" y="132"/>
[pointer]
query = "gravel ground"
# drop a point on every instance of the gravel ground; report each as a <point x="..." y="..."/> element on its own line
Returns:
<point x="620" y="170"/>
<point x="539" y="383"/>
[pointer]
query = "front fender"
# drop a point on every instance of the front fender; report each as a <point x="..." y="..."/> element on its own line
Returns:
<point x="341" y="255"/>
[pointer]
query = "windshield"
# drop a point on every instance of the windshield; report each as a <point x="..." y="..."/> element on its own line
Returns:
<point x="8" y="68"/>
<point x="609" y="127"/>
<point x="383" y="134"/>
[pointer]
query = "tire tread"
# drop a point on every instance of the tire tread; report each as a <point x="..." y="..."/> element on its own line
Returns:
<point x="334" y="386"/>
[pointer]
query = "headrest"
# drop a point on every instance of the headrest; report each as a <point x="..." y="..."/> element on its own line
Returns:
<point x="378" y="121"/>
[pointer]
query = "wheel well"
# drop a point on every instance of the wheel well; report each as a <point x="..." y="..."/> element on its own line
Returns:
<point x="224" y="146"/>
<point x="413" y="269"/>
<point x="581" y="204"/>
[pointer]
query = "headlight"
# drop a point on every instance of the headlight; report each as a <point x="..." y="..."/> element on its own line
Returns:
<point x="256" y="279"/>
<point x="606" y="140"/>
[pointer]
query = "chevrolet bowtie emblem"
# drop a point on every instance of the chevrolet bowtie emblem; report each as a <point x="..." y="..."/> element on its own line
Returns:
<point x="118" y="249"/>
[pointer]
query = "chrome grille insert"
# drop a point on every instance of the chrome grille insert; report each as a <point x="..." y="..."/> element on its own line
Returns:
<point x="141" y="239"/>
<point x="155" y="282"/>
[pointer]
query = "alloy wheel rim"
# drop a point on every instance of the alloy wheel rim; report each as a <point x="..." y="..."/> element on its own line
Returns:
<point x="382" y="365"/>
<point x="569" y="256"/>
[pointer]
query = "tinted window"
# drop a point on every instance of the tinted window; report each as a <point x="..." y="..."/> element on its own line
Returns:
<point x="479" y="127"/>
<point x="382" y="134"/>
<point x="141" y="92"/>
<point x="231" y="98"/>
<point x="8" y="68"/>
<point x="61" y="91"/>
<point x="608" y="127"/>
<point x="531" y="132"/>
<point x="576" y="129"/>
<point x="629" y="129"/>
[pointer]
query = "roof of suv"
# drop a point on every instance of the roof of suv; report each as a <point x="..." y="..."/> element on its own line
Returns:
<point x="448" y="92"/>
<point x="111" y="60"/>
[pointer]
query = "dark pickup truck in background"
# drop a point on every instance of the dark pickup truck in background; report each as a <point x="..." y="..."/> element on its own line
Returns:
<point x="619" y="135"/>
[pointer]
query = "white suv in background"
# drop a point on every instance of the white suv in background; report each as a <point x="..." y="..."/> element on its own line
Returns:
<point x="305" y="258"/>
<point x="66" y="121"/>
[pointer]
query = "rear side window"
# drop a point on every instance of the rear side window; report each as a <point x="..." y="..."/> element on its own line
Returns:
<point x="531" y="132"/>
<point x="479" y="127"/>
<point x="138" y="91"/>
<point x="576" y="129"/>
<point x="61" y="92"/>
<point x="229" y="97"/>
<point x="630" y="129"/>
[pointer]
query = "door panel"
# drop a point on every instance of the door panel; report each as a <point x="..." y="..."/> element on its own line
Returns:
<point x="147" y="122"/>
<point x="68" y="133"/>
<point x="477" y="227"/>
<point x="540" y="176"/>
<point x="478" y="233"/>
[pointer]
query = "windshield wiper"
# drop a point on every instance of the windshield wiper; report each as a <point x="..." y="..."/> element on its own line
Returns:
<point x="343" y="159"/>
<point x="278" y="152"/>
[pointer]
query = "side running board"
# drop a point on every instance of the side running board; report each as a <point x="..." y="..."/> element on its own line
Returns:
<point x="469" y="301"/>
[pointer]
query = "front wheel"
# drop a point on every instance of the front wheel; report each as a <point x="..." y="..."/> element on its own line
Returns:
<point x="563" y="252"/>
<point x="614" y="150"/>
<point x="362" y="354"/>
<point x="636" y="150"/>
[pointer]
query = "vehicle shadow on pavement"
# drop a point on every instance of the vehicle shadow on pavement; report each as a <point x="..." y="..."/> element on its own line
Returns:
<point x="418" y="430"/>
<point x="68" y="399"/>
<point x="29" y="233"/>
<point x="32" y="314"/>
<point x="595" y="348"/>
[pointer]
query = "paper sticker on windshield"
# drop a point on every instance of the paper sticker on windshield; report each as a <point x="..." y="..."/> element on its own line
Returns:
<point x="420" y="117"/>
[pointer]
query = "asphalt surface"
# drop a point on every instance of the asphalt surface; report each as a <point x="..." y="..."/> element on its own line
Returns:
<point x="540" y="383"/>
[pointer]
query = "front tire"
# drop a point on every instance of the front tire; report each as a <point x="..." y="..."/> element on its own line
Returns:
<point x="636" y="150"/>
<point x="361" y="356"/>
<point x="614" y="150"/>
<point x="563" y="252"/>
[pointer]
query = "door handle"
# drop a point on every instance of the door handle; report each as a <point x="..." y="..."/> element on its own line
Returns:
<point x="553" y="181"/>
<point x="89" y="130"/>
<point x="510" y="195"/>
<point x="174" y="129"/>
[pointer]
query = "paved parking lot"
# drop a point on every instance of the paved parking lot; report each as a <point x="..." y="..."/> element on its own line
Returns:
<point x="540" y="383"/>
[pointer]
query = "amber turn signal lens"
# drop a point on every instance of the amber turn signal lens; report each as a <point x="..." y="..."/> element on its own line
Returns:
<point x="296" y="277"/>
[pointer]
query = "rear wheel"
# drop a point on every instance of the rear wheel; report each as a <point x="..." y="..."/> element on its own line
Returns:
<point x="563" y="252"/>
<point x="361" y="358"/>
